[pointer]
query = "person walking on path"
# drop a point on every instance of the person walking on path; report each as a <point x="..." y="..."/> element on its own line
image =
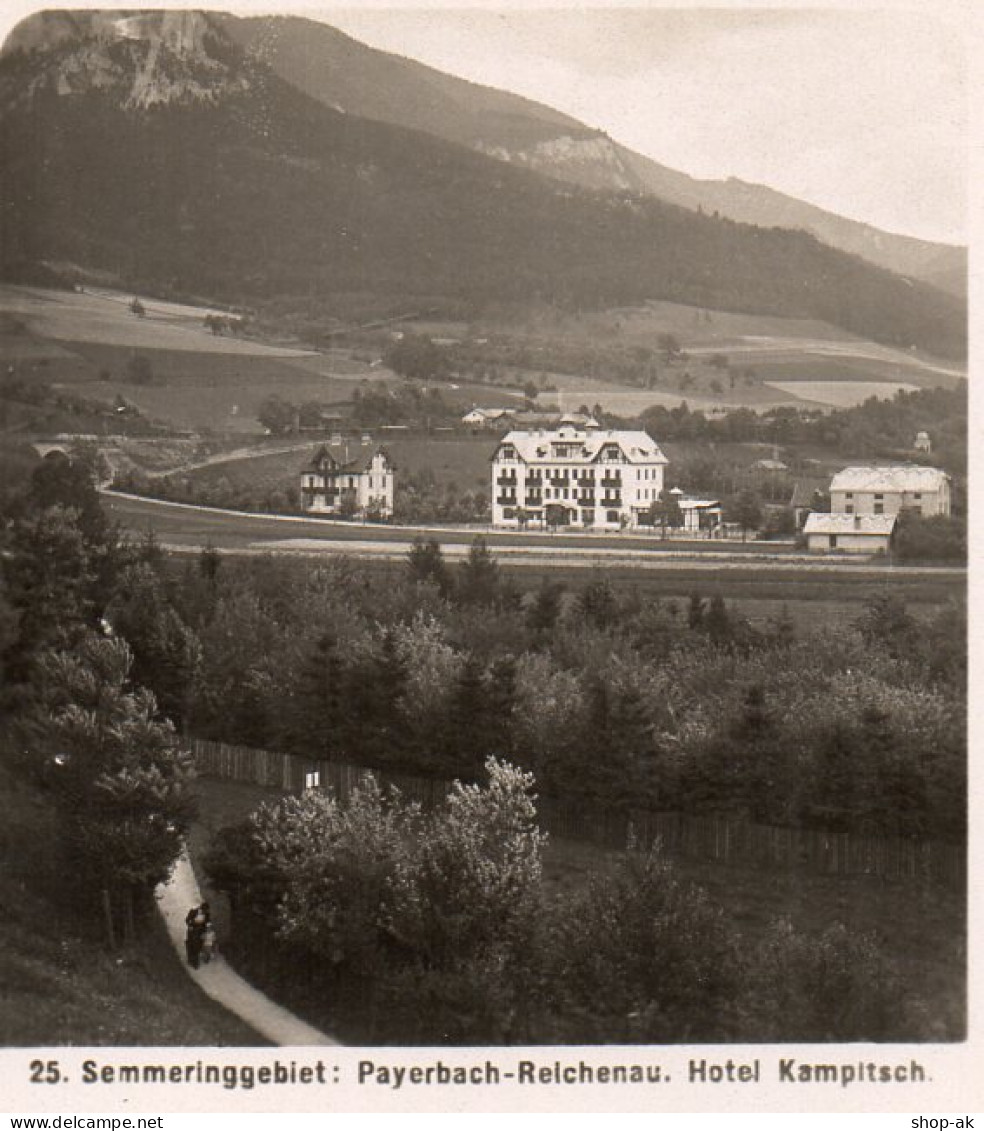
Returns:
<point x="218" y="980"/>
<point x="197" y="923"/>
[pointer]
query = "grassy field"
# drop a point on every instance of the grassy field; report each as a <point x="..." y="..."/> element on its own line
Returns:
<point x="840" y="394"/>
<point x="920" y="927"/>
<point x="216" y="383"/>
<point x="59" y="985"/>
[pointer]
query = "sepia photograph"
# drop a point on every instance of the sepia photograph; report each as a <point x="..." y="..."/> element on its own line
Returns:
<point x="484" y="553"/>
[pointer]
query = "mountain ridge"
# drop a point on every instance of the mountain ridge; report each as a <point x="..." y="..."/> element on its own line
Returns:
<point x="176" y="160"/>
<point x="320" y="59"/>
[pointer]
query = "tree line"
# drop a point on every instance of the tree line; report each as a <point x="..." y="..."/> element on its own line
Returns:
<point x="436" y="927"/>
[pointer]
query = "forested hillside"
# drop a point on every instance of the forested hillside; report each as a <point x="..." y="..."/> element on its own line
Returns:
<point x="255" y="190"/>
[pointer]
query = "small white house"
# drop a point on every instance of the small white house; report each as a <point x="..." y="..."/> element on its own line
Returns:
<point x="349" y="478"/>
<point x="849" y="533"/>
<point x="488" y="417"/>
<point x="699" y="515"/>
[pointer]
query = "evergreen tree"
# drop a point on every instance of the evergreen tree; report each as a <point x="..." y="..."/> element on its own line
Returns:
<point x="425" y="562"/>
<point x="166" y="653"/>
<point x="118" y="773"/>
<point x="467" y="736"/>
<point x="501" y="706"/>
<point x="478" y="576"/>
<point x="315" y="726"/>
<point x="716" y="622"/>
<point x="543" y="614"/>
<point x="51" y="584"/>
<point x="598" y="603"/>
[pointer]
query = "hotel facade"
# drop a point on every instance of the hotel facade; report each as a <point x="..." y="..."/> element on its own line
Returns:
<point x="591" y="479"/>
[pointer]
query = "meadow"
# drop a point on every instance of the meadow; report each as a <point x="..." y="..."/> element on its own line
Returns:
<point x="215" y="383"/>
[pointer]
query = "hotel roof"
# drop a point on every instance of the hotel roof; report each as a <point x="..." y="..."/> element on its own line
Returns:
<point x="537" y="447"/>
<point x="907" y="478"/>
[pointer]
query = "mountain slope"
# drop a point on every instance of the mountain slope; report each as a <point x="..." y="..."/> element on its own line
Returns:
<point x="343" y="73"/>
<point x="154" y="149"/>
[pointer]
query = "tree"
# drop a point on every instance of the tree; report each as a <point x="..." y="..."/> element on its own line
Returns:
<point x="645" y="958"/>
<point x="886" y="624"/>
<point x="938" y="538"/>
<point x="69" y="482"/>
<point x="744" y="510"/>
<point x="669" y="344"/>
<point x="425" y="563"/>
<point x="598" y="603"/>
<point x="276" y="415"/>
<point x="319" y="708"/>
<point x="466" y="737"/>
<point x="119" y="774"/>
<point x="666" y="513"/>
<point x="478" y="575"/>
<point x="51" y="578"/>
<point x="832" y="987"/>
<point x="137" y="307"/>
<point x="470" y="914"/>
<point x="437" y="912"/>
<point x="166" y="652"/>
<point x="544" y="612"/>
<point x="417" y="356"/>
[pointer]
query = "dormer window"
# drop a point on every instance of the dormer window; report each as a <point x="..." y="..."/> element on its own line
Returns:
<point x="507" y="451"/>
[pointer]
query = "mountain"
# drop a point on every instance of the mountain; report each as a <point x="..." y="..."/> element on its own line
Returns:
<point x="152" y="146"/>
<point x="347" y="75"/>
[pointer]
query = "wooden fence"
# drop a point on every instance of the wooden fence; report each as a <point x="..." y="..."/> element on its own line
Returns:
<point x="726" y="840"/>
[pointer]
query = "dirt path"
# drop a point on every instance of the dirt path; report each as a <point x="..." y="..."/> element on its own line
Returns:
<point x="219" y="981"/>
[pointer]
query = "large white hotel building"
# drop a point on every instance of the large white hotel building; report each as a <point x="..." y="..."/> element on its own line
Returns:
<point x="592" y="478"/>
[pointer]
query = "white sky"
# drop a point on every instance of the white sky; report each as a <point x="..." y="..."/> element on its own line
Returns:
<point x="859" y="109"/>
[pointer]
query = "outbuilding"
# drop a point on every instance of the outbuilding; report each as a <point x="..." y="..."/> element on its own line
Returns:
<point x="849" y="533"/>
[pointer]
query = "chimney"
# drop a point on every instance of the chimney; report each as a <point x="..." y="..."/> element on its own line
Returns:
<point x="336" y="439"/>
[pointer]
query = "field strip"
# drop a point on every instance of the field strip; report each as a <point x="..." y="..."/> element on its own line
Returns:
<point x="238" y="455"/>
<point x="573" y="556"/>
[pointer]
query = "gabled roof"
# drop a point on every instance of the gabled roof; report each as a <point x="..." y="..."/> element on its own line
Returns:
<point x="904" y="477"/>
<point x="354" y="459"/>
<point x="536" y="447"/>
<point x="880" y="524"/>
